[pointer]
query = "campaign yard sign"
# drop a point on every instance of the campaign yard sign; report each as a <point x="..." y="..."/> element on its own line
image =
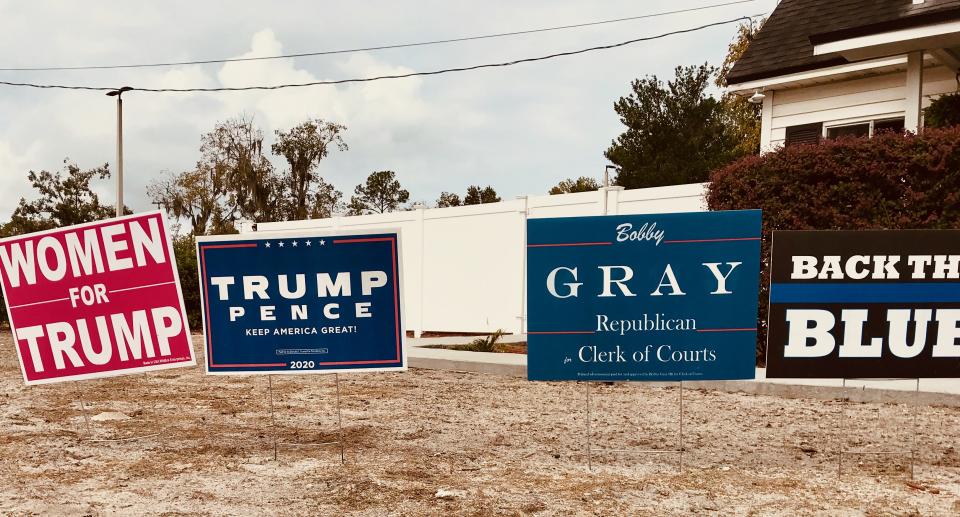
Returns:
<point x="95" y="300"/>
<point x="301" y="302"/>
<point x="660" y="297"/>
<point x="864" y="304"/>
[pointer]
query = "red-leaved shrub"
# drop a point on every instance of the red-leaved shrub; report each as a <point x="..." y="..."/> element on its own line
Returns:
<point x="890" y="181"/>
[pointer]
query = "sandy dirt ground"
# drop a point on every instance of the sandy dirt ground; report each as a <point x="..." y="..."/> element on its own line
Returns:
<point x="426" y="442"/>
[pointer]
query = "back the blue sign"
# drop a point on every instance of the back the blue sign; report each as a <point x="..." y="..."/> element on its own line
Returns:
<point x="301" y="302"/>
<point x="662" y="297"/>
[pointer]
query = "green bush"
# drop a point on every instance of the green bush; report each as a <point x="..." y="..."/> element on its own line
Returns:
<point x="890" y="181"/>
<point x="486" y="343"/>
<point x="184" y="250"/>
<point x="943" y="112"/>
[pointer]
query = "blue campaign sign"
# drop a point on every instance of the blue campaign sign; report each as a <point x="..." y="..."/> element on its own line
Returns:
<point x="661" y="297"/>
<point x="301" y="302"/>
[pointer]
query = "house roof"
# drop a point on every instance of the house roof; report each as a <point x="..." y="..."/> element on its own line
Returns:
<point x="785" y="43"/>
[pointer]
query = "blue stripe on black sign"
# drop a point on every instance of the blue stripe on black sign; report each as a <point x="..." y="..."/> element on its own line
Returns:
<point x="865" y="293"/>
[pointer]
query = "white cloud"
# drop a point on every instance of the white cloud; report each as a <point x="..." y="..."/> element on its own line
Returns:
<point x="520" y="129"/>
<point x="12" y="183"/>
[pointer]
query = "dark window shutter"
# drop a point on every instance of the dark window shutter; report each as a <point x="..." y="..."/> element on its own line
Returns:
<point x="805" y="134"/>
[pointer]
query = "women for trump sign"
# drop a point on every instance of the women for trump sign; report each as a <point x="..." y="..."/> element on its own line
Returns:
<point x="643" y="297"/>
<point x="301" y="302"/>
<point x="95" y="300"/>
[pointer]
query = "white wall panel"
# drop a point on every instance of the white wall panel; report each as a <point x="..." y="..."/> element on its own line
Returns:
<point x="472" y="257"/>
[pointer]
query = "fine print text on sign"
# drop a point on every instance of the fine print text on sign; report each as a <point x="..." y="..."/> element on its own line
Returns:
<point x="643" y="297"/>
<point x="865" y="304"/>
<point x="301" y="303"/>
<point x="95" y="300"/>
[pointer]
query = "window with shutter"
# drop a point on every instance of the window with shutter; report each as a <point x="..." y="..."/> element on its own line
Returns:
<point x="854" y="130"/>
<point x="890" y="124"/>
<point x="805" y="134"/>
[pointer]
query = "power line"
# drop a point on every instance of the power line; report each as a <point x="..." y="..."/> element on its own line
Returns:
<point x="384" y="77"/>
<point x="381" y="47"/>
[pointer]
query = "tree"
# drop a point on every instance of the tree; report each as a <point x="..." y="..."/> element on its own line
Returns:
<point x="234" y="179"/>
<point x="234" y="153"/>
<point x="581" y="184"/>
<point x="185" y="252"/>
<point x="196" y="195"/>
<point x="675" y="133"/>
<point x="741" y="117"/>
<point x="943" y="112"/>
<point x="448" y="199"/>
<point x="381" y="193"/>
<point x="477" y="196"/>
<point x="324" y="201"/>
<point x="65" y="199"/>
<point x="303" y="147"/>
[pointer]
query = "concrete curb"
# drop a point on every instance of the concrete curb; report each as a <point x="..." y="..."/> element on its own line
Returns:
<point x="435" y="363"/>
<point x="853" y="394"/>
<point x="514" y="365"/>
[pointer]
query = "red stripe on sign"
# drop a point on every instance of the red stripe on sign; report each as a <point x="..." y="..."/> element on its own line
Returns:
<point x="206" y="300"/>
<point x="714" y="240"/>
<point x="563" y="332"/>
<point x="244" y="365"/>
<point x="372" y="239"/>
<point x="396" y="294"/>
<point x="566" y="244"/>
<point x="378" y="361"/>
<point x="212" y="246"/>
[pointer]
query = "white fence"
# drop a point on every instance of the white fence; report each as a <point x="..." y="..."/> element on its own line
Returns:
<point x="464" y="267"/>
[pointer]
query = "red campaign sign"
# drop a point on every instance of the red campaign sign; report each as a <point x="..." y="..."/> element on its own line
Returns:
<point x="95" y="300"/>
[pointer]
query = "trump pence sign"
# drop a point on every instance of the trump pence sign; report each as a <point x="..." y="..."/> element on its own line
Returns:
<point x="865" y="304"/>
<point x="301" y="302"/>
<point x="661" y="297"/>
<point x="95" y="300"/>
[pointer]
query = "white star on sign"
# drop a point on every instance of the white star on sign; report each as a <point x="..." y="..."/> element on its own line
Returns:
<point x="280" y="244"/>
<point x="309" y="243"/>
<point x="266" y="244"/>
<point x="294" y="244"/>
<point x="322" y="242"/>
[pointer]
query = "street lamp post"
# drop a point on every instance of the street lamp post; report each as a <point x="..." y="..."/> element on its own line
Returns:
<point x="606" y="174"/>
<point x="119" y="94"/>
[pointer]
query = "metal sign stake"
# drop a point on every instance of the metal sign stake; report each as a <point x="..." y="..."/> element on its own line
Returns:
<point x="275" y="434"/>
<point x="336" y="378"/>
<point x="589" y="433"/>
<point x="589" y="445"/>
<point x="843" y="415"/>
<point x="681" y="426"/>
<point x="88" y="435"/>
<point x="916" y="411"/>
<point x="273" y="418"/>
<point x="843" y="407"/>
<point x="86" y="417"/>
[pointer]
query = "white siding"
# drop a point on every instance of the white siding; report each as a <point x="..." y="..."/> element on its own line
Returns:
<point x="881" y="96"/>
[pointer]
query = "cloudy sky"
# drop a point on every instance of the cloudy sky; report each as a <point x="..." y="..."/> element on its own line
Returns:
<point x="520" y="129"/>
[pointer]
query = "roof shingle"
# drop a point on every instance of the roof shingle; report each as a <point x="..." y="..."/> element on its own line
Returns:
<point x="783" y="45"/>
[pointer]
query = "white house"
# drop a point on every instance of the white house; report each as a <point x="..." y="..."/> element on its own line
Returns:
<point x="826" y="68"/>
